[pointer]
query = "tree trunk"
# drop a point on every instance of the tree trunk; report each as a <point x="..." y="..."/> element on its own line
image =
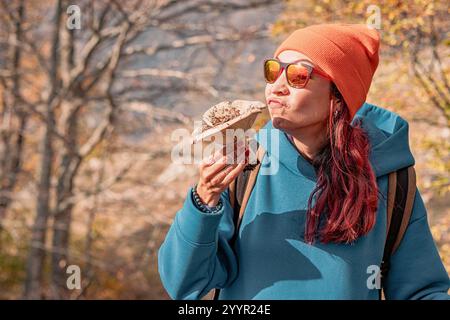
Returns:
<point x="63" y="214"/>
<point x="37" y="253"/>
<point x="68" y="166"/>
<point x="11" y="162"/>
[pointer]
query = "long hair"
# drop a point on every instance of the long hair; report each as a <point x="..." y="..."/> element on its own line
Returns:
<point x="346" y="192"/>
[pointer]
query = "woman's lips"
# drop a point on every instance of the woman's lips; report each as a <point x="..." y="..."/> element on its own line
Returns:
<point x="273" y="104"/>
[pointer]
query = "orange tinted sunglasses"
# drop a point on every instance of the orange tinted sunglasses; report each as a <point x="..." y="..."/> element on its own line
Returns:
<point x="297" y="73"/>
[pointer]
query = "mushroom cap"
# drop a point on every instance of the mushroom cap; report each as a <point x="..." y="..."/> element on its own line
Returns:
<point x="238" y="114"/>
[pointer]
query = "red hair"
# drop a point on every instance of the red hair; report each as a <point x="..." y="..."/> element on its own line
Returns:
<point x="346" y="190"/>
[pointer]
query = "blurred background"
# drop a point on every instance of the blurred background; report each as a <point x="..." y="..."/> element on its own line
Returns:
<point x="91" y="91"/>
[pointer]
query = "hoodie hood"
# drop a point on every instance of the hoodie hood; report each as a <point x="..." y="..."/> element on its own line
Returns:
<point x="387" y="132"/>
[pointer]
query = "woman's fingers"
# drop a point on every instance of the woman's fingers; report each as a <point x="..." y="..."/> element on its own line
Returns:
<point x="219" y="177"/>
<point x="211" y="171"/>
<point x="226" y="149"/>
<point x="234" y="173"/>
<point x="223" y="162"/>
<point x="212" y="158"/>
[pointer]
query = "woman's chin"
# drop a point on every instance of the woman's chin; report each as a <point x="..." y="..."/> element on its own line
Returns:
<point x="278" y="122"/>
<point x="284" y="124"/>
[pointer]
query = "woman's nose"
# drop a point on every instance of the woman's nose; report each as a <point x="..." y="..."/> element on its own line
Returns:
<point x="280" y="86"/>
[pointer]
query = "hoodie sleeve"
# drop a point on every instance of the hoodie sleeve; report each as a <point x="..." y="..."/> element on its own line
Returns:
<point x="196" y="256"/>
<point x="416" y="269"/>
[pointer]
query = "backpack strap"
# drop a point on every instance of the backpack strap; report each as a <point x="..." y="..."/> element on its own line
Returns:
<point x="400" y="200"/>
<point x="244" y="188"/>
<point x="240" y="190"/>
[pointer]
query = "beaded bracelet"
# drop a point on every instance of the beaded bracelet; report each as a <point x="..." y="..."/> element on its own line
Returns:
<point x="204" y="207"/>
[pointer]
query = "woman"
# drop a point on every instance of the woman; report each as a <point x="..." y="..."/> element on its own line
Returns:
<point x="316" y="228"/>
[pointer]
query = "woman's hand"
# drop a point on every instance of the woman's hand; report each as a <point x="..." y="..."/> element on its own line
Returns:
<point x="218" y="171"/>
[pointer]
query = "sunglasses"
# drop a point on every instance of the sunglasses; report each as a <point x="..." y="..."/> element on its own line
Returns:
<point x="297" y="73"/>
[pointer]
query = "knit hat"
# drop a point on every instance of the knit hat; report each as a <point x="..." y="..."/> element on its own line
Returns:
<point x="347" y="53"/>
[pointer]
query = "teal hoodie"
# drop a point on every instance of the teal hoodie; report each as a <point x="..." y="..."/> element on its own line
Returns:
<point x="270" y="259"/>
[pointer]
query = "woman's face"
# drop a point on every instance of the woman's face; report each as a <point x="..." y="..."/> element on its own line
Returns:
<point x="299" y="108"/>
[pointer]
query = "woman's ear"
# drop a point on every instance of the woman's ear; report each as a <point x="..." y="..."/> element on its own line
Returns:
<point x="336" y="100"/>
<point x="335" y="94"/>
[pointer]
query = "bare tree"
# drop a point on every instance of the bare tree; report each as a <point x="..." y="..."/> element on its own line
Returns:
<point x="38" y="236"/>
<point x="433" y="77"/>
<point x="87" y="73"/>
<point x="13" y="114"/>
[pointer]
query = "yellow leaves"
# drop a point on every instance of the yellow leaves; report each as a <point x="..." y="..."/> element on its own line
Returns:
<point x="429" y="9"/>
<point x="391" y="15"/>
<point x="391" y="39"/>
<point x="439" y="163"/>
<point x="278" y="28"/>
<point x="420" y="21"/>
<point x="441" y="234"/>
<point x="399" y="18"/>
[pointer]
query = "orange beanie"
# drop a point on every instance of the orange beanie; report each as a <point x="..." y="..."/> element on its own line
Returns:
<point x="347" y="53"/>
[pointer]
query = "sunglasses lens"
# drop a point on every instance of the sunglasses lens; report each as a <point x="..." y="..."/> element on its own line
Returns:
<point x="297" y="75"/>
<point x="271" y="70"/>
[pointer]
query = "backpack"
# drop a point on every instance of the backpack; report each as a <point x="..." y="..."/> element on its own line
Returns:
<point x="400" y="199"/>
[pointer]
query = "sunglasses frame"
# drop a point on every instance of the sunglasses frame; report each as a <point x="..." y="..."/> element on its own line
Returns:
<point x="284" y="66"/>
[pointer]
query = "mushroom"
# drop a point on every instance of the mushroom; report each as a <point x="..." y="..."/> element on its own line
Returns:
<point x="234" y="115"/>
